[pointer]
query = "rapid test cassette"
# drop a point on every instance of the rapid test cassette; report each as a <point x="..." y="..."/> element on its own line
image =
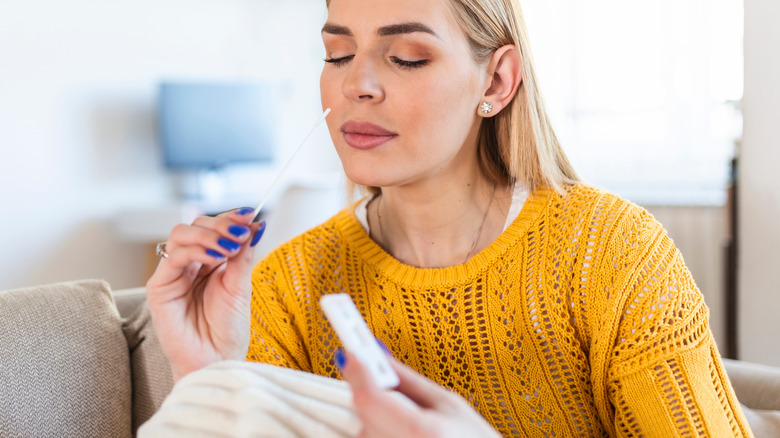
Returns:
<point x="354" y="334"/>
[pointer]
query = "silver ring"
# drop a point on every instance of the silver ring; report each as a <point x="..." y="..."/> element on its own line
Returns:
<point x="160" y="250"/>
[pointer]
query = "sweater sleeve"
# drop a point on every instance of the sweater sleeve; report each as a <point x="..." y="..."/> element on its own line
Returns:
<point x="664" y="375"/>
<point x="275" y="339"/>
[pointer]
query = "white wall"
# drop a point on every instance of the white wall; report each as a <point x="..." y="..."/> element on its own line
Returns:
<point x="77" y="132"/>
<point x="759" y="204"/>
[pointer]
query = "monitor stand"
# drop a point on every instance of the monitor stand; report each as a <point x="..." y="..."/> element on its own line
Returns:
<point x="207" y="184"/>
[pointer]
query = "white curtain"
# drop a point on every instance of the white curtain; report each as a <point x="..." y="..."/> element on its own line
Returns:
<point x="644" y="95"/>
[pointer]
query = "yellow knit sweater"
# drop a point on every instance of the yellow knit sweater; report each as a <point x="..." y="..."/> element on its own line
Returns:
<point x="581" y="319"/>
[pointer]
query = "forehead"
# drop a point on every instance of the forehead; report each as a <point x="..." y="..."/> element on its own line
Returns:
<point x="367" y="16"/>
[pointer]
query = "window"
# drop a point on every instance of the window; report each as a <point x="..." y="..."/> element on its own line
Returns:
<point x="643" y="95"/>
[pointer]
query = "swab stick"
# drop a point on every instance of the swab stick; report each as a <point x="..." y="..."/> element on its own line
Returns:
<point x="286" y="165"/>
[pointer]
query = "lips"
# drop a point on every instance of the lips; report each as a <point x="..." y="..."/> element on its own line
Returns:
<point x="364" y="135"/>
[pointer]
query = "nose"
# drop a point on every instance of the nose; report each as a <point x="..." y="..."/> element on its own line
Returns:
<point x="361" y="83"/>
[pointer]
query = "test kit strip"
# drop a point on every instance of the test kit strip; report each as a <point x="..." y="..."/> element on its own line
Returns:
<point x="286" y="165"/>
<point x="354" y="334"/>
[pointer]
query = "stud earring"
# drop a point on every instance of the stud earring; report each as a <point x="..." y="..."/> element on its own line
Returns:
<point x="486" y="107"/>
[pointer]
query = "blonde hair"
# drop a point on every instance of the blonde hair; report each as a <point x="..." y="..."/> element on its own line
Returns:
<point x="518" y="143"/>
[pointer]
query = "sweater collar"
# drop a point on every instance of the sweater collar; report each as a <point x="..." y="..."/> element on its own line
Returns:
<point x="412" y="277"/>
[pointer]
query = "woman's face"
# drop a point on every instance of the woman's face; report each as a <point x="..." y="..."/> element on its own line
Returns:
<point x="403" y="89"/>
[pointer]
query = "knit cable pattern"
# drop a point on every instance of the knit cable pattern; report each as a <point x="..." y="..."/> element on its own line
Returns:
<point x="580" y="320"/>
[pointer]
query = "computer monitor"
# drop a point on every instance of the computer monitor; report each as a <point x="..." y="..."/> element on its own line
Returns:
<point x="206" y="126"/>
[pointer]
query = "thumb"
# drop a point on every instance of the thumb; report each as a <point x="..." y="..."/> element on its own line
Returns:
<point x="421" y="390"/>
<point x="355" y="373"/>
<point x="416" y="387"/>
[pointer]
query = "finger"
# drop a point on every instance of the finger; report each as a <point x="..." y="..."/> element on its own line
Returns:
<point x="197" y="241"/>
<point x="242" y="215"/>
<point x="381" y="412"/>
<point x="225" y="234"/>
<point x="183" y="256"/>
<point x="174" y="274"/>
<point x="355" y="373"/>
<point x="246" y="212"/>
<point x="240" y="265"/>
<point x="421" y="390"/>
<point x="209" y="241"/>
<point x="233" y="225"/>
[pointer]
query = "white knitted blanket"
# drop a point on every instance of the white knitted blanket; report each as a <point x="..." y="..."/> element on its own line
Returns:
<point x="241" y="399"/>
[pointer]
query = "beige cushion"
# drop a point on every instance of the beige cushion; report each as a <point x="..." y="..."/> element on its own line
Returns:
<point x="64" y="367"/>
<point x="152" y="379"/>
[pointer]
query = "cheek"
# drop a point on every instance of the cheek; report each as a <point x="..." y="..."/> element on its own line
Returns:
<point x="329" y="93"/>
<point x="442" y="105"/>
<point x="446" y="119"/>
<point x="326" y="89"/>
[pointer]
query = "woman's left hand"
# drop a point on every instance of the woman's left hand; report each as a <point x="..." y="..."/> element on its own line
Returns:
<point x="434" y="411"/>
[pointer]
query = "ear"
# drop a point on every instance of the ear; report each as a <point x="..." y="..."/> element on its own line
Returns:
<point x="505" y="75"/>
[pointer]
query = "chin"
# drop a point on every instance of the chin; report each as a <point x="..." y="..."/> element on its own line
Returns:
<point x="364" y="177"/>
<point x="376" y="171"/>
<point x="361" y="170"/>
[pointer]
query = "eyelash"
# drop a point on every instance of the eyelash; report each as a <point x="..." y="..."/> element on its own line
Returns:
<point x="406" y="65"/>
<point x="338" y="62"/>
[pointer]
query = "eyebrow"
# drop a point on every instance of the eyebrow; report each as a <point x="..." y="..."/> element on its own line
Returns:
<point x="393" y="29"/>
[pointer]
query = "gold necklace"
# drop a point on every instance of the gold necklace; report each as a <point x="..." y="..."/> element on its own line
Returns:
<point x="476" y="238"/>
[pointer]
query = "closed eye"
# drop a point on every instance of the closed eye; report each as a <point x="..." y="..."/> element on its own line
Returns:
<point x="408" y="64"/>
<point x="339" y="61"/>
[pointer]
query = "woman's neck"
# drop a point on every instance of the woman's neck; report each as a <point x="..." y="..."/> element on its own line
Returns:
<point x="439" y="223"/>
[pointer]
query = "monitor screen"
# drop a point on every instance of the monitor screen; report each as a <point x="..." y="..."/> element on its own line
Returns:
<point x="210" y="125"/>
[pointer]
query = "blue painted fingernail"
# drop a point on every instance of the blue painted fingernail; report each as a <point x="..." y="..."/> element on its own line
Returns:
<point x="228" y="244"/>
<point x="341" y="359"/>
<point x="259" y="233"/>
<point x="238" y="230"/>
<point x="214" y="254"/>
<point x="245" y="210"/>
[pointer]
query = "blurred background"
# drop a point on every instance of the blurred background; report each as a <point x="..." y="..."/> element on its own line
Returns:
<point x="672" y="104"/>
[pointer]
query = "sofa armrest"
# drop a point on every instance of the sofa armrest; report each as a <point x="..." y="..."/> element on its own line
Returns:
<point x="151" y="373"/>
<point x="129" y="300"/>
<point x="756" y="386"/>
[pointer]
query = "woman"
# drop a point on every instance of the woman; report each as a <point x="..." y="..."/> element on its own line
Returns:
<point x="549" y="307"/>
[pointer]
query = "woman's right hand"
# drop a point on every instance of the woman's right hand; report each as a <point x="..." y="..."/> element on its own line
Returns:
<point x="428" y="410"/>
<point x="200" y="295"/>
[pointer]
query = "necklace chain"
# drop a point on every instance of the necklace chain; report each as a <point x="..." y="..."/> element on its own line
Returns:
<point x="476" y="238"/>
<point x="481" y="225"/>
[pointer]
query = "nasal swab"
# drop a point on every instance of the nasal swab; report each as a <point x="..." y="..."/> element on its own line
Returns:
<point x="286" y="165"/>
